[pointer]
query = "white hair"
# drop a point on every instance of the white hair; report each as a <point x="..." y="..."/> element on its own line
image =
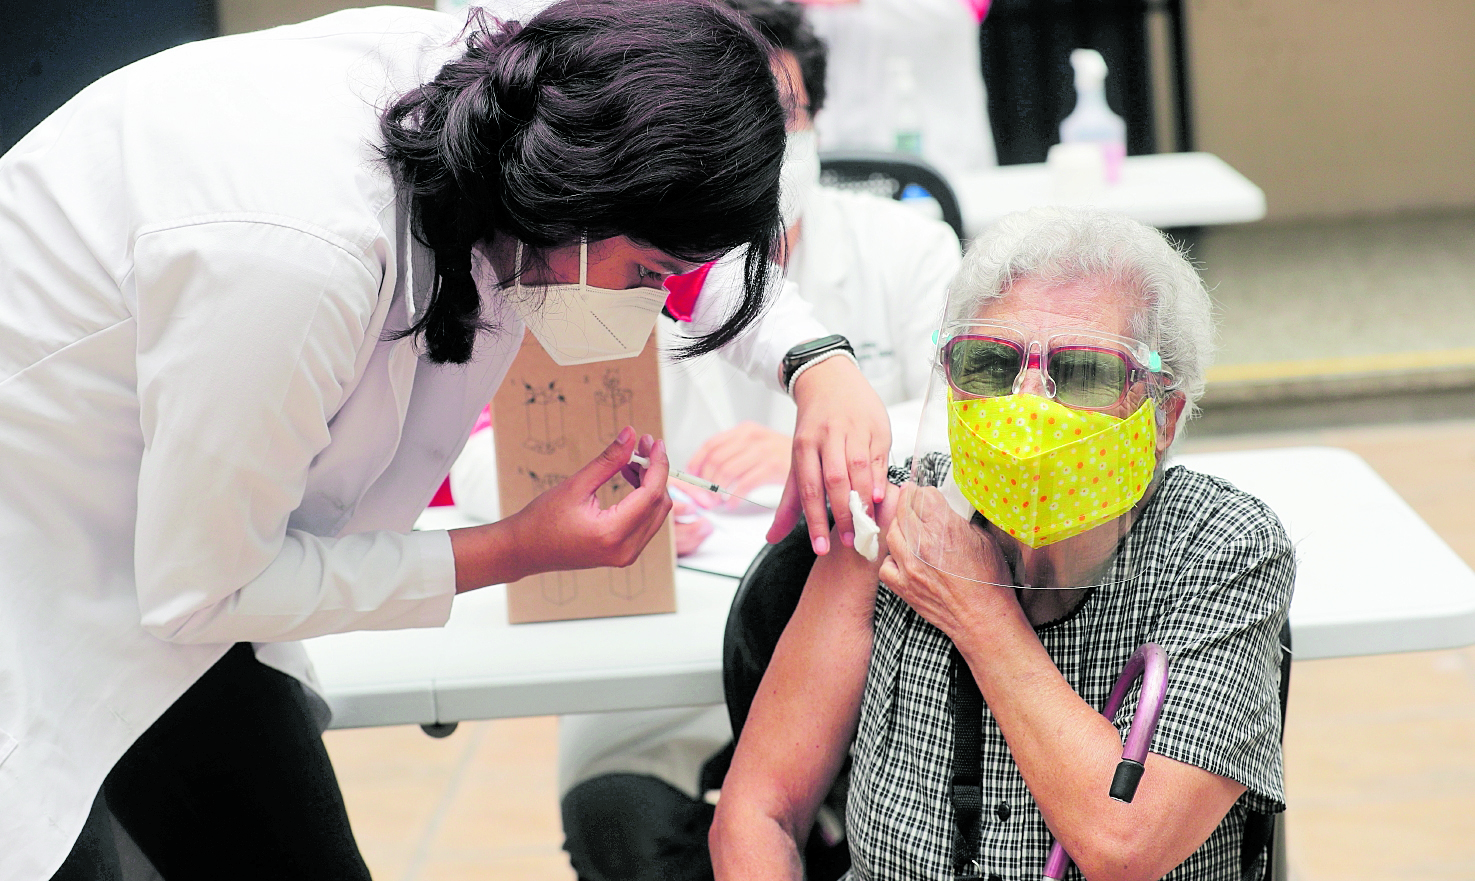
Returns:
<point x="1062" y="245"/>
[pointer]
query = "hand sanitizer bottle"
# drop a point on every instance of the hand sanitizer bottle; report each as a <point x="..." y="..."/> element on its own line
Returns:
<point x="1092" y="120"/>
<point x="906" y="121"/>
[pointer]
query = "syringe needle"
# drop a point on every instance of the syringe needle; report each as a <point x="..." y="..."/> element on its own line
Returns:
<point x="701" y="482"/>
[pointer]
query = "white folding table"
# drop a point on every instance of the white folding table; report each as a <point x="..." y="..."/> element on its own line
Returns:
<point x="1162" y="190"/>
<point x="1372" y="578"/>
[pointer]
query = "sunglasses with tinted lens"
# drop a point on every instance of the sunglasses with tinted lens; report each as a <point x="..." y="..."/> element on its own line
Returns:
<point x="1080" y="370"/>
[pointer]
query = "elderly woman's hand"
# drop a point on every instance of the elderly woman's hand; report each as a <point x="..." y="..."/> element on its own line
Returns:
<point x="949" y="572"/>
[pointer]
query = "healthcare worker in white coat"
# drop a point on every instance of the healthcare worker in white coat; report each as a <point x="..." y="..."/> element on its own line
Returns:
<point x="254" y="293"/>
<point x="632" y="783"/>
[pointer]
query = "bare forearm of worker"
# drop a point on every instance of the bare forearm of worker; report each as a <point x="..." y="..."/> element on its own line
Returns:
<point x="842" y="439"/>
<point x="741" y="459"/>
<point x="799" y="726"/>
<point x="1067" y="752"/>
<point x="565" y="527"/>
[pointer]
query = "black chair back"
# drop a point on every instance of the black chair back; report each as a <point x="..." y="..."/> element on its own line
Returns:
<point x="765" y="599"/>
<point x="888" y="175"/>
<point x="1267" y="831"/>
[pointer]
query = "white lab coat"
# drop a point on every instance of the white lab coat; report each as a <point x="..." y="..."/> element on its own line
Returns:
<point x="875" y="271"/>
<point x="205" y="436"/>
<point x="938" y="39"/>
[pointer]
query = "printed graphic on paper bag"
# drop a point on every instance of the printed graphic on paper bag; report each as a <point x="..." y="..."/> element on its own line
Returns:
<point x="542" y="481"/>
<point x="559" y="588"/>
<point x="612" y="404"/>
<point x="628" y="583"/>
<point x="550" y="421"/>
<point x="543" y="406"/>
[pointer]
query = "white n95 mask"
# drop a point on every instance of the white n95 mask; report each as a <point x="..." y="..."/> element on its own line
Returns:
<point x="581" y="324"/>
<point x="799" y="176"/>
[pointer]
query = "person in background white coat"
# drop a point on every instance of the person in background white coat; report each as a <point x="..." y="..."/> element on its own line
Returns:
<point x="877" y="272"/>
<point x="908" y="64"/>
<point x="255" y="291"/>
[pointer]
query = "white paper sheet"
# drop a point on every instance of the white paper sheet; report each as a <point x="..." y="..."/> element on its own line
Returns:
<point x="737" y="537"/>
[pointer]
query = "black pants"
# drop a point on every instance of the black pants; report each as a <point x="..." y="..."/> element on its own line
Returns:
<point x="634" y="827"/>
<point x="231" y="782"/>
<point x="630" y="827"/>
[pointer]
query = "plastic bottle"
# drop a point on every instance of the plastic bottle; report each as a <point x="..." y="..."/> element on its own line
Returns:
<point x="921" y="201"/>
<point x="906" y="120"/>
<point x="1092" y="120"/>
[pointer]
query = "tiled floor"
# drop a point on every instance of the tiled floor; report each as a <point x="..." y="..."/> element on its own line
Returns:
<point x="478" y="804"/>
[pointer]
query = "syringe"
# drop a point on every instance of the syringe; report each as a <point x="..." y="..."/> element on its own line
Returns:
<point x="701" y="482"/>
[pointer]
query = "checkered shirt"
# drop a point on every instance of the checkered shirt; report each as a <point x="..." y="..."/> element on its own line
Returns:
<point x="1212" y="589"/>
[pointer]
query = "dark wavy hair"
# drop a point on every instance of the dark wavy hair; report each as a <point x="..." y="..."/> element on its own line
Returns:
<point x="783" y="24"/>
<point x="654" y="119"/>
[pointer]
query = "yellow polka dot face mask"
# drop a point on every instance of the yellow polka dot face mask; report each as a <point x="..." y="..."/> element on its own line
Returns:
<point x="1041" y="471"/>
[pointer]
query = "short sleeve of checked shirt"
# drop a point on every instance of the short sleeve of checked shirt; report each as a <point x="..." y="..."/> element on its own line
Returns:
<point x="1224" y="570"/>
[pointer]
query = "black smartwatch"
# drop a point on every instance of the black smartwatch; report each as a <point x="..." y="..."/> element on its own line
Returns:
<point x="806" y="352"/>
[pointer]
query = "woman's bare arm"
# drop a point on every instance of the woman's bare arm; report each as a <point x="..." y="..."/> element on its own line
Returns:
<point x="801" y="723"/>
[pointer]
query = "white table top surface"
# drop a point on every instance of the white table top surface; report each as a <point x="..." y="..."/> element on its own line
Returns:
<point x="1162" y="190"/>
<point x="1372" y="578"/>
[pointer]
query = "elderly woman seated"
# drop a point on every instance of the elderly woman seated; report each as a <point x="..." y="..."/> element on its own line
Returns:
<point x="1038" y="558"/>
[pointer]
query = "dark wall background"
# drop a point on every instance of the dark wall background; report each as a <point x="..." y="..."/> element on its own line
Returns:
<point x="50" y="49"/>
<point x="1026" y="47"/>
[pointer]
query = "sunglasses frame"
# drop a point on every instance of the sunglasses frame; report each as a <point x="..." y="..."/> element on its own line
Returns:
<point x="1142" y="362"/>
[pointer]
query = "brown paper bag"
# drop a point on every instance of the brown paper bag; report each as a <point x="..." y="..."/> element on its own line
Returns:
<point x="549" y="421"/>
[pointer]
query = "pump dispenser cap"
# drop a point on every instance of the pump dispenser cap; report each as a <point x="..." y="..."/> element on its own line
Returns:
<point x="1090" y="67"/>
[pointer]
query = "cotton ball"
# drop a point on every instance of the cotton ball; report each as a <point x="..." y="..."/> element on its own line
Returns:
<point x="867" y="533"/>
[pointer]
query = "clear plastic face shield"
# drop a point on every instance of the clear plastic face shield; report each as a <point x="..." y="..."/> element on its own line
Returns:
<point x="1052" y="424"/>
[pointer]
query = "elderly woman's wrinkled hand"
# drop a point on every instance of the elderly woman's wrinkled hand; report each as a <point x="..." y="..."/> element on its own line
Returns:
<point x="951" y="573"/>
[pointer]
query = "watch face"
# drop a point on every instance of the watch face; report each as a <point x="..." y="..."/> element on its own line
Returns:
<point x="804" y="352"/>
<point x="814" y="347"/>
